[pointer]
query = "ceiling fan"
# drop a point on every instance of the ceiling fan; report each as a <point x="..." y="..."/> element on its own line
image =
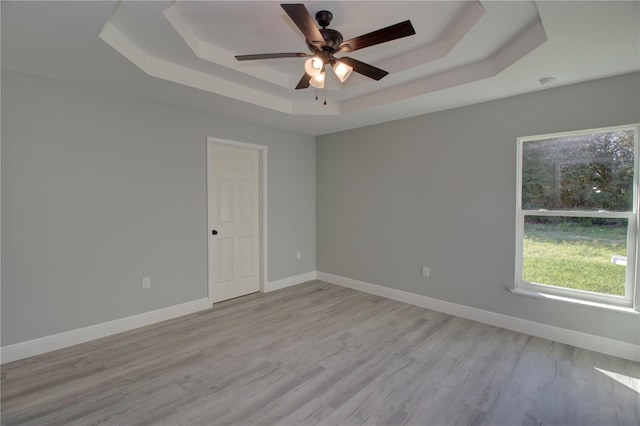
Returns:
<point x="325" y="42"/>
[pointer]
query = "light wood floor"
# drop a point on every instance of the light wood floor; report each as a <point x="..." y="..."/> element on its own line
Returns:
<point x="318" y="354"/>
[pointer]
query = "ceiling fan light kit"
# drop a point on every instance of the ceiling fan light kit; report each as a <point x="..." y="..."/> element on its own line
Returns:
<point x="342" y="71"/>
<point x="313" y="66"/>
<point x="324" y="42"/>
<point x="317" y="81"/>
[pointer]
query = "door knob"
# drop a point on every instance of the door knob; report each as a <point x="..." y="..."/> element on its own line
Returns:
<point x="214" y="232"/>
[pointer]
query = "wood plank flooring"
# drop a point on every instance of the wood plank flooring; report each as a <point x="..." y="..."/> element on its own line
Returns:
<point x="318" y="354"/>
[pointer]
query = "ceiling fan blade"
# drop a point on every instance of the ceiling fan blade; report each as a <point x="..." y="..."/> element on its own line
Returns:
<point x="402" y="29"/>
<point x="303" y="20"/>
<point x="363" y="68"/>
<point x="304" y="81"/>
<point x="271" y="56"/>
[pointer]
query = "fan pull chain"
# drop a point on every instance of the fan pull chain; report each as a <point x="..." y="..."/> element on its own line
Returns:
<point x="325" y="94"/>
<point x="316" y="93"/>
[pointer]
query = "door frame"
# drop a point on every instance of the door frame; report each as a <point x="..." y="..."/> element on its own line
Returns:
<point x="262" y="200"/>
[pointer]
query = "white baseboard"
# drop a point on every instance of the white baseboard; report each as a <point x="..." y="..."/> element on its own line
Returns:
<point x="562" y="335"/>
<point x="69" y="338"/>
<point x="289" y="281"/>
<point x="575" y="338"/>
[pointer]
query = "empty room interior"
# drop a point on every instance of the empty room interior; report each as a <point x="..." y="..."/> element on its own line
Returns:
<point x="320" y="213"/>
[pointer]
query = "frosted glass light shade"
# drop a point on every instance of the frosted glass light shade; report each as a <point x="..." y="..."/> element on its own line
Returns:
<point x="342" y="71"/>
<point x="313" y="66"/>
<point x="317" y="81"/>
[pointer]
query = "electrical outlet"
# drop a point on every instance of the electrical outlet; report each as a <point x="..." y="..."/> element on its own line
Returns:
<point x="425" y="271"/>
<point x="146" y="283"/>
<point x="298" y="255"/>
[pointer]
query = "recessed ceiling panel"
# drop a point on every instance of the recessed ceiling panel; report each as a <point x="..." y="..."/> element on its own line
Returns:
<point x="197" y="42"/>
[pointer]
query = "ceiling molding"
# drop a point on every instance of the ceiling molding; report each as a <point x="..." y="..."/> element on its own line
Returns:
<point x="188" y="76"/>
<point x="211" y="53"/>
<point x="440" y="48"/>
<point x="532" y="37"/>
<point x="391" y="90"/>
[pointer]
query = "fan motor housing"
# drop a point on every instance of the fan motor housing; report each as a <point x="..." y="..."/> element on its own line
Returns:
<point x="332" y="40"/>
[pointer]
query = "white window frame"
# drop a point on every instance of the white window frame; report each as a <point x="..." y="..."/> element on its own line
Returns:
<point x="631" y="299"/>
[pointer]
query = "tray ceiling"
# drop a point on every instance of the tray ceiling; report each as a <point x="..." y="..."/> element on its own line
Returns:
<point x="463" y="52"/>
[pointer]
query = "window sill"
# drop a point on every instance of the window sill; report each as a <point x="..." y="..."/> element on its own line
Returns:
<point x="596" y="305"/>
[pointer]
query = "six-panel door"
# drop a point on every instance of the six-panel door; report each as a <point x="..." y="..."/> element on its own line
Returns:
<point x="235" y="217"/>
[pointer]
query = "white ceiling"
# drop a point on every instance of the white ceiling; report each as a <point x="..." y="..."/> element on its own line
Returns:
<point x="181" y="52"/>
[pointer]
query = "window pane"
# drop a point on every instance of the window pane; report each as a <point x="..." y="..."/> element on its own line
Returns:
<point x="578" y="253"/>
<point x="584" y="172"/>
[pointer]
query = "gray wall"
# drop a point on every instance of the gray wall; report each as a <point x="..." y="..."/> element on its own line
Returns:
<point x="439" y="190"/>
<point x="99" y="190"/>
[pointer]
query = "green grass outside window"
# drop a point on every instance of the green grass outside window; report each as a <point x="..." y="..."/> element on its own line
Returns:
<point x="575" y="257"/>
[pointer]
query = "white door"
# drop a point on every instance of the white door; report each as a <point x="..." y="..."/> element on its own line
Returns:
<point x="235" y="234"/>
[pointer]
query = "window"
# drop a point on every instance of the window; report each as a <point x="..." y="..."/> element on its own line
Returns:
<point x="577" y="215"/>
